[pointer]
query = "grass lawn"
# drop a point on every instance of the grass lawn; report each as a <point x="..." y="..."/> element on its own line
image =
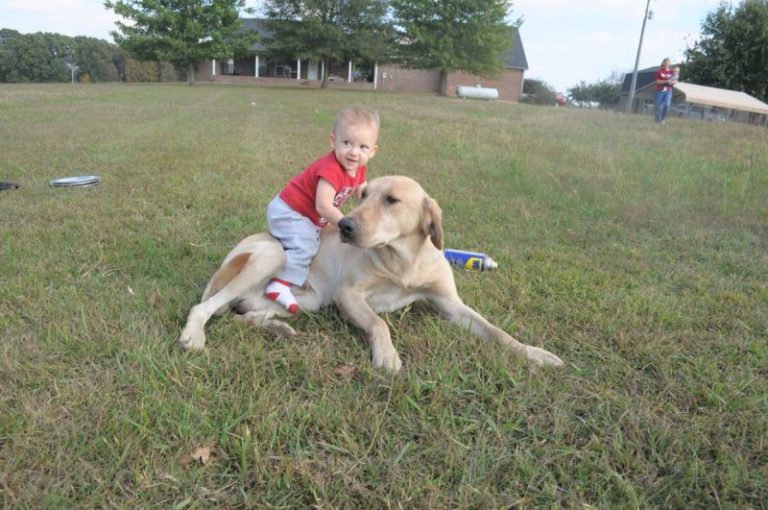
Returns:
<point x="637" y="253"/>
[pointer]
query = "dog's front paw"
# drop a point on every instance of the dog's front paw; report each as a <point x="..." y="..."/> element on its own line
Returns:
<point x="389" y="361"/>
<point x="542" y="357"/>
<point x="192" y="339"/>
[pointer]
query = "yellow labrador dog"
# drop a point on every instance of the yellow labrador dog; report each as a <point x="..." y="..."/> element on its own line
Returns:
<point x="385" y="255"/>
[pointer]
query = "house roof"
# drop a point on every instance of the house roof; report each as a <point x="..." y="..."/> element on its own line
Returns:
<point x="644" y="78"/>
<point x="257" y="25"/>
<point x="513" y="59"/>
<point x="711" y="96"/>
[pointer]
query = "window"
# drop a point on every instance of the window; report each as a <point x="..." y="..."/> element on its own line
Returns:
<point x="283" y="71"/>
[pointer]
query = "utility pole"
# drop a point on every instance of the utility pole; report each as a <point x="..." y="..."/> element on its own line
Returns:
<point x="631" y="100"/>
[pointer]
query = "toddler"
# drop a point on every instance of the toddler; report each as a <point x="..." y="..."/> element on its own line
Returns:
<point x="675" y="74"/>
<point x="313" y="199"/>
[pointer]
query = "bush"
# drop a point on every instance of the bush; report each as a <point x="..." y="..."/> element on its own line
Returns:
<point x="137" y="71"/>
<point x="538" y="92"/>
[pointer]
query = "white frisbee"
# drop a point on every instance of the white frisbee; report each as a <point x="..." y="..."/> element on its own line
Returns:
<point x="79" y="180"/>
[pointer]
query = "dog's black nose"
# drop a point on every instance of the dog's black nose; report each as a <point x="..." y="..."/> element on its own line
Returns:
<point x="348" y="228"/>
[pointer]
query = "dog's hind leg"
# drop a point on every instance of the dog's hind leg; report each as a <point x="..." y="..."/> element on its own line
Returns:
<point x="242" y="273"/>
<point x="223" y="288"/>
<point x="229" y="283"/>
<point x="193" y="334"/>
<point x="263" y="319"/>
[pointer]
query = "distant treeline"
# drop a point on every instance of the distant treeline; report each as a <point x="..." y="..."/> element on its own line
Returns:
<point x="46" y="58"/>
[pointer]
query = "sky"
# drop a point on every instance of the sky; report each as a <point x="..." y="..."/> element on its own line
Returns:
<point x="566" y="41"/>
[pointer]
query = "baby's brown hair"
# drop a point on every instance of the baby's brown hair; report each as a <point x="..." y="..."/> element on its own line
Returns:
<point x="356" y="115"/>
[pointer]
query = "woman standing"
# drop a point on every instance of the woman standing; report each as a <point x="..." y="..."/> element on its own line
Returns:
<point x="665" y="80"/>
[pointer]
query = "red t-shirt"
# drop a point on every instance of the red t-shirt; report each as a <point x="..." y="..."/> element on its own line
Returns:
<point x="300" y="193"/>
<point x="664" y="74"/>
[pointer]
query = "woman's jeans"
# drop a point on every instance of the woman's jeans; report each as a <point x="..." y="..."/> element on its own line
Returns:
<point x="663" y="102"/>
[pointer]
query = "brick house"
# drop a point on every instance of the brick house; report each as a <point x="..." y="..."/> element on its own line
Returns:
<point x="262" y="68"/>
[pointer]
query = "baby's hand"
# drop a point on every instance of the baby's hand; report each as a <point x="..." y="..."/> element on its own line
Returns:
<point x="359" y="191"/>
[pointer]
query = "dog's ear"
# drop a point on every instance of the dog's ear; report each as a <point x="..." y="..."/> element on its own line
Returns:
<point x="432" y="222"/>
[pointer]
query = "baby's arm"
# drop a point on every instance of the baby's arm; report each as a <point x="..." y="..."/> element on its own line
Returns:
<point x="324" y="202"/>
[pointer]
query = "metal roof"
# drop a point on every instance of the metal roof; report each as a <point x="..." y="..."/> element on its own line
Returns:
<point x="711" y="96"/>
<point x="721" y="98"/>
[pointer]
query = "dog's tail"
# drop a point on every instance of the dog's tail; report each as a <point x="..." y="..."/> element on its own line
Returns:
<point x="225" y="274"/>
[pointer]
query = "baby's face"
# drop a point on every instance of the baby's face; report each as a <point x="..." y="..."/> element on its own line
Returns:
<point x="354" y="145"/>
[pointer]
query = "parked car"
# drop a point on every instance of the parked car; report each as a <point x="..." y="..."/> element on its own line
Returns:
<point x="560" y="99"/>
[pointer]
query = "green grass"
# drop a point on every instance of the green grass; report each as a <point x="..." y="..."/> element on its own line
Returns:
<point x="637" y="253"/>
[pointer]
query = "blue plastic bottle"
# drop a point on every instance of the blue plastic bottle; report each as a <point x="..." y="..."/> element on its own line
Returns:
<point x="470" y="260"/>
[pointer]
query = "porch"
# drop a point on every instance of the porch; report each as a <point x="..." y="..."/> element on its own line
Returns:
<point x="260" y="69"/>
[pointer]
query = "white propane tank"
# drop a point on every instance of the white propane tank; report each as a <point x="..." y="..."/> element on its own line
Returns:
<point x="477" y="92"/>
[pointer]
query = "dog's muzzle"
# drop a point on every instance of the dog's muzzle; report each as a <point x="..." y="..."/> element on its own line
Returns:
<point x="348" y="229"/>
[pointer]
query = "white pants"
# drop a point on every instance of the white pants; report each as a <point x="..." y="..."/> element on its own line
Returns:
<point x="298" y="235"/>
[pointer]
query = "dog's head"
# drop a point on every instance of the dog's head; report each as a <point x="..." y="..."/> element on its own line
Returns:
<point x="392" y="208"/>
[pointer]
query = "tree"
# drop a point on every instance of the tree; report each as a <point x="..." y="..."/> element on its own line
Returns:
<point x="182" y="32"/>
<point x="43" y="57"/>
<point x="538" y="92"/>
<point x="453" y="35"/>
<point x="604" y="92"/>
<point x="35" y="58"/>
<point x="733" y="51"/>
<point x="93" y="57"/>
<point x="8" y="44"/>
<point x="329" y="30"/>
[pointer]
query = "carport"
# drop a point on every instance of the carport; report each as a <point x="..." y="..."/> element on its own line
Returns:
<point x="709" y="103"/>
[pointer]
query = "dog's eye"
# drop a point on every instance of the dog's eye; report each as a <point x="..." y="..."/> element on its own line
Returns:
<point x="392" y="200"/>
<point x="364" y="194"/>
